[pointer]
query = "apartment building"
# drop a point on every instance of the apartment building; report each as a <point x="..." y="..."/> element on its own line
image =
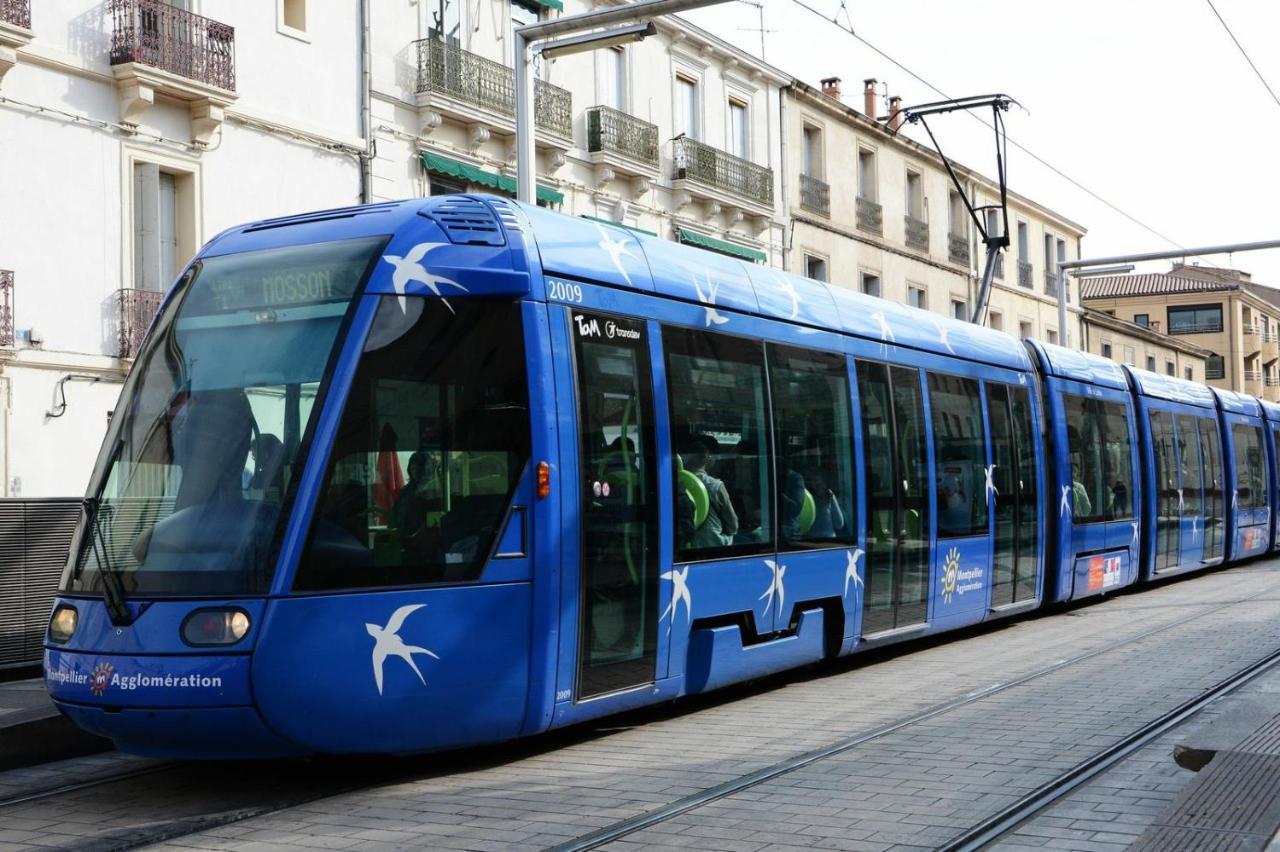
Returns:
<point x="874" y="210"/>
<point x="136" y="130"/>
<point x="1220" y="310"/>
<point x="1127" y="342"/>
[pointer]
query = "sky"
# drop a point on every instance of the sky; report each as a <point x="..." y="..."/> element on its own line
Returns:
<point x="1148" y="103"/>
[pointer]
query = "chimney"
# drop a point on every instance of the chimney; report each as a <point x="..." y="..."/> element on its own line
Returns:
<point x="869" y="98"/>
<point x="895" y="113"/>
<point x="831" y="87"/>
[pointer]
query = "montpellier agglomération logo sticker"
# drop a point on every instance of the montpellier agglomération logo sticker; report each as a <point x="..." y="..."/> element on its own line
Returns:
<point x="101" y="678"/>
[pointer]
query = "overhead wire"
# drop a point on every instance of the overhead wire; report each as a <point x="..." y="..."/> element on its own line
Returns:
<point x="1244" y="53"/>
<point x="1034" y="156"/>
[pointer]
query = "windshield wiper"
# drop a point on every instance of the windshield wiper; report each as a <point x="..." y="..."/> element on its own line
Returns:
<point x="112" y="589"/>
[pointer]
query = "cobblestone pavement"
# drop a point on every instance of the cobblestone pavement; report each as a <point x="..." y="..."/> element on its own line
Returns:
<point x="912" y="788"/>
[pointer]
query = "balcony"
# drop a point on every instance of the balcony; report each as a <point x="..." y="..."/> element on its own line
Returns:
<point x="137" y="309"/>
<point x="1214" y="372"/>
<point x="481" y="93"/>
<point x="958" y="248"/>
<point x="1024" y="274"/>
<point x="15" y="31"/>
<point x="1051" y="284"/>
<point x="6" y="309"/>
<point x="720" y="179"/>
<point x="1271" y="381"/>
<point x="1270" y="336"/>
<point x="158" y="48"/>
<point x="815" y="195"/>
<point x="870" y="216"/>
<point x="622" y="145"/>
<point x="917" y="233"/>
<point x="1248" y="328"/>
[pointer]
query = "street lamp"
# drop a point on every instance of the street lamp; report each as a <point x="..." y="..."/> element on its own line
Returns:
<point x="534" y="36"/>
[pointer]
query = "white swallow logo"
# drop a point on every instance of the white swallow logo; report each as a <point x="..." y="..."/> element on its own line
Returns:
<point x="410" y="268"/>
<point x="1195" y="527"/>
<point x="387" y="643"/>
<point x="1134" y="524"/>
<point x="990" y="471"/>
<point x="943" y="331"/>
<point x="1064" y="508"/>
<point x="851" y="571"/>
<point x="886" y="333"/>
<point x="708" y="299"/>
<point x="1181" y="504"/>
<point x="775" y="585"/>
<point x="788" y="288"/>
<point x="679" y="592"/>
<point x="616" y="249"/>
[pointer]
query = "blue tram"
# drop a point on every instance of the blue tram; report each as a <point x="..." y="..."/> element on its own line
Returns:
<point x="454" y="470"/>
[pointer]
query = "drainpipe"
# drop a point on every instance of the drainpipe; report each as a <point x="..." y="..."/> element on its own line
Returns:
<point x="783" y="166"/>
<point x="366" y="97"/>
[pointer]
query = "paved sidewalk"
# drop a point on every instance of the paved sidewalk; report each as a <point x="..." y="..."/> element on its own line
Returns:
<point x="33" y="731"/>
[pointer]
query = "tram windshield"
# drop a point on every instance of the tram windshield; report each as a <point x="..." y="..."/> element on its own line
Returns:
<point x="213" y="424"/>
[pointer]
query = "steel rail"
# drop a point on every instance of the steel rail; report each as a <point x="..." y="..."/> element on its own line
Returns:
<point x="681" y="806"/>
<point x="76" y="786"/>
<point x="1008" y="819"/>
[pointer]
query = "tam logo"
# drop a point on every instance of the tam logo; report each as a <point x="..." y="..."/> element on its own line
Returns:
<point x="587" y="327"/>
<point x="101" y="678"/>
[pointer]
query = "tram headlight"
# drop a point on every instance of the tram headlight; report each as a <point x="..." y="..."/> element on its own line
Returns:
<point x="215" y="627"/>
<point x="63" y="623"/>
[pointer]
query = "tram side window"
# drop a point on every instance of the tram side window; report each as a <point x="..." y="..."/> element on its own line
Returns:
<point x="720" y="435"/>
<point x="959" y="442"/>
<point x="813" y="441"/>
<point x="433" y="441"/>
<point x="1251" y="488"/>
<point x="1101" y="454"/>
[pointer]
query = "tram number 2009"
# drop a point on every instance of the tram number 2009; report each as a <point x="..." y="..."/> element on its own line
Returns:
<point x="562" y="291"/>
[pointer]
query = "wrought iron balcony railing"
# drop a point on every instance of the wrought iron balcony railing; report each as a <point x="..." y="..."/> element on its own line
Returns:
<point x="1253" y="375"/>
<point x="917" y="233"/>
<point x="870" y="216"/>
<point x="1271" y="381"/>
<point x="701" y="163"/>
<point x="16" y="12"/>
<point x="152" y="32"/>
<point x="137" y="309"/>
<point x="958" y="248"/>
<point x="449" y="70"/>
<point x="1248" y="328"/>
<point x="6" y="308"/>
<point x="815" y="195"/>
<point x="1024" y="274"/>
<point x="612" y="130"/>
<point x="1050" y="284"/>
<point x="1270" y="335"/>
<point x="1218" y="372"/>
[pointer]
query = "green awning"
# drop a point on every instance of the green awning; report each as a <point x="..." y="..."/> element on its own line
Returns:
<point x="712" y="244"/>
<point x="630" y="228"/>
<point x="535" y="5"/>
<point x="452" y="168"/>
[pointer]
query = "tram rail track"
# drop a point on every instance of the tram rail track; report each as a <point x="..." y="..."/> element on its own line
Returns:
<point x="1004" y="821"/>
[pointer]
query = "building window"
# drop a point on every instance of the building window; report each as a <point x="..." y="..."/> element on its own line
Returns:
<point x="959" y="215"/>
<point x="959" y="309"/>
<point x="815" y="267"/>
<point x="1025" y="330"/>
<point x="291" y="17"/>
<point x="613" y="78"/>
<point x="1214" y="368"/>
<point x="995" y="320"/>
<point x="444" y="20"/>
<point x="1024" y="243"/>
<point x="867" y="190"/>
<point x="870" y="284"/>
<point x="915" y="195"/>
<point x="1187" y="372"/>
<point x="1169" y="368"/>
<point x="1051" y="335"/>
<point x="687" y="106"/>
<point x="1106" y="350"/>
<point x="812" y="165"/>
<point x="1195" y="319"/>
<point x="163" y="225"/>
<point x="1129" y="356"/>
<point x="917" y="297"/>
<point x="1143" y="320"/>
<point x="1151" y="363"/>
<point x="739" y="129"/>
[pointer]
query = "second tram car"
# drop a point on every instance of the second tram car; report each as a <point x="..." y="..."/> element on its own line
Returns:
<point x="447" y="471"/>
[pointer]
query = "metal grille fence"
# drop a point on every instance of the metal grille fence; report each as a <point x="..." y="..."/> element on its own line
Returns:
<point x="958" y="248"/>
<point x="609" y="129"/>
<point x="917" y="233"/>
<point x="152" y="32"/>
<point x="870" y="215"/>
<point x="712" y="167"/>
<point x="16" y="12"/>
<point x="35" y="536"/>
<point x="6" y="308"/>
<point x="462" y="75"/>
<point x="815" y="194"/>
<point x="137" y="309"/>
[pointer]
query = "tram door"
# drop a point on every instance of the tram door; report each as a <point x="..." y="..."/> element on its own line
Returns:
<point x="897" y="497"/>
<point x="617" y="629"/>
<point x="1190" y="498"/>
<point x="1211" y="446"/>
<point x="1168" y="516"/>
<point x="1017" y="505"/>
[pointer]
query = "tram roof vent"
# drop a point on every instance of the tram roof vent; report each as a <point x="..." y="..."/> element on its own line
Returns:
<point x="468" y="221"/>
